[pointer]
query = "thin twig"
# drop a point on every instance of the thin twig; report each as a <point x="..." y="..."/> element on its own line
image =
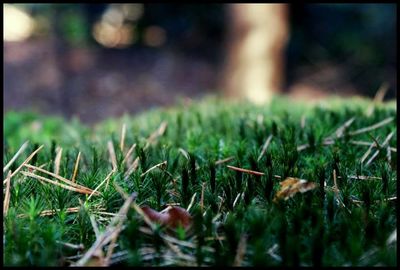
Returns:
<point x="20" y="150"/>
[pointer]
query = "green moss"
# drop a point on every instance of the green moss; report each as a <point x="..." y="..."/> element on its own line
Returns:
<point x="309" y="229"/>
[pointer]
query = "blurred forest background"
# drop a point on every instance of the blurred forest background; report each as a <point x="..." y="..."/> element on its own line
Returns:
<point x="96" y="61"/>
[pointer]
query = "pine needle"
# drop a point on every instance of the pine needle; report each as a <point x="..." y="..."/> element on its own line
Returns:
<point x="122" y="141"/>
<point x="375" y="126"/>
<point x="377" y="151"/>
<point x="84" y="191"/>
<point x="6" y="203"/>
<point x="112" y="231"/>
<point x="244" y="170"/>
<point x="154" y="167"/>
<point x="105" y="180"/>
<point x="159" y="132"/>
<point x="380" y="94"/>
<point x="25" y="161"/>
<point x="265" y="146"/>
<point x="129" y="153"/>
<point x="69" y="182"/>
<point x="132" y="168"/>
<point x="76" y="167"/>
<point x="20" y="150"/>
<point x="241" y="251"/>
<point x="57" y="161"/>
<point x="113" y="157"/>
<point x="218" y="162"/>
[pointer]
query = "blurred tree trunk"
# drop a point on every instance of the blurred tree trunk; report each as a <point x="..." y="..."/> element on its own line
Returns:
<point x="257" y="37"/>
<point x="61" y="48"/>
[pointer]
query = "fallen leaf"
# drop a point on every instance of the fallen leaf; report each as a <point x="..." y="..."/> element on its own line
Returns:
<point x="172" y="216"/>
<point x="290" y="186"/>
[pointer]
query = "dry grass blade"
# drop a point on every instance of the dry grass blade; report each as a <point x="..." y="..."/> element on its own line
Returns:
<point x="218" y="162"/>
<point x="265" y="146"/>
<point x="57" y="161"/>
<point x="375" y="126"/>
<point x="380" y="94"/>
<point x="162" y="164"/>
<point x="383" y="145"/>
<point x="112" y="231"/>
<point x="113" y="157"/>
<point x="244" y="170"/>
<point x="25" y="161"/>
<point x="20" y="150"/>
<point x="129" y="153"/>
<point x="241" y="251"/>
<point x="76" y="167"/>
<point x="159" y="132"/>
<point x="60" y="178"/>
<point x="95" y="190"/>
<point x="83" y="191"/>
<point x="6" y="203"/>
<point x="122" y="141"/>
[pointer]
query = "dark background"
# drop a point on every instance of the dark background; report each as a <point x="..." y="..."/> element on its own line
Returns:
<point x="342" y="49"/>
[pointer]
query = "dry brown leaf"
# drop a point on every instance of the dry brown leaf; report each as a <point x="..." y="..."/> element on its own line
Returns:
<point x="172" y="216"/>
<point x="290" y="186"/>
